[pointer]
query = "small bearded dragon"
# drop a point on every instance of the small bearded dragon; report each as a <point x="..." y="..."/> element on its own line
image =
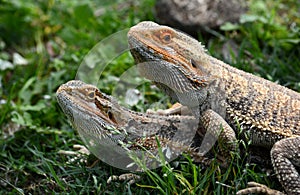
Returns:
<point x="113" y="132"/>
<point x="221" y="95"/>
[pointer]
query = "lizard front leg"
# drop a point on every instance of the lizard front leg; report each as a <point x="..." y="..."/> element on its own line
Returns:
<point x="217" y="129"/>
<point x="213" y="128"/>
<point x="285" y="155"/>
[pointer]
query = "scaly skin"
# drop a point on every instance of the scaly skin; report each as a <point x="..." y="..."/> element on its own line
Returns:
<point x="220" y="94"/>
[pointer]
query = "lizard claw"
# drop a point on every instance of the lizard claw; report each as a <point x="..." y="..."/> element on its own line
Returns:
<point x="257" y="188"/>
<point x="81" y="151"/>
<point x="124" y="177"/>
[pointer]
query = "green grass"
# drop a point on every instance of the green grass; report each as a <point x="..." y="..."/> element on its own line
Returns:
<point x="54" y="36"/>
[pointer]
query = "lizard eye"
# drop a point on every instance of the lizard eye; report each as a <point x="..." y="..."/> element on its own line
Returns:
<point x="91" y="95"/>
<point x="166" y="37"/>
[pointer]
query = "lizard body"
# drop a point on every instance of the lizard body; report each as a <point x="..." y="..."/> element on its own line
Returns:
<point x="222" y="95"/>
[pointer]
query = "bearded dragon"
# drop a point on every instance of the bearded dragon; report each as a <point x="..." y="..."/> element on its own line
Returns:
<point x="223" y="96"/>
<point x="113" y="132"/>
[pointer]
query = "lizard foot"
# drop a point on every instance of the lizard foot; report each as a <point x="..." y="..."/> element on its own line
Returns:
<point x="81" y="150"/>
<point x="132" y="178"/>
<point x="257" y="188"/>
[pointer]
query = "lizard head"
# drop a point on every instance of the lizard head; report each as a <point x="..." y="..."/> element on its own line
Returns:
<point x="88" y="109"/>
<point x="173" y="60"/>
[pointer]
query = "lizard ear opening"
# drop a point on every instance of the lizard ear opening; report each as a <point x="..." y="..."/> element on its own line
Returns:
<point x="110" y="115"/>
<point x="193" y="63"/>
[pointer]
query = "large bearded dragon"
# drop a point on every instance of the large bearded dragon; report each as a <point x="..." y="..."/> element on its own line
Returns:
<point x="222" y="96"/>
